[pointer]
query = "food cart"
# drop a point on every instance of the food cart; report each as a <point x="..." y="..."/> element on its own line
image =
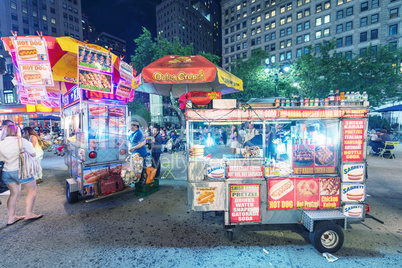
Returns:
<point x="304" y="165"/>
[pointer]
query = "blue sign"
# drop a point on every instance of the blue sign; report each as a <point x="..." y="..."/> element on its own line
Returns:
<point x="71" y="97"/>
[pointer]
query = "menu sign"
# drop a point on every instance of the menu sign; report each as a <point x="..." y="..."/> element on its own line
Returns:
<point x="245" y="171"/>
<point x="94" y="59"/>
<point x="126" y="71"/>
<point x="36" y="74"/>
<point x="353" y="138"/>
<point x="245" y="203"/>
<point x="353" y="211"/>
<point x="353" y="172"/>
<point x="353" y="192"/>
<point x="94" y="81"/>
<point x="303" y="193"/>
<point x="324" y="113"/>
<point x="32" y="49"/>
<point x="24" y="99"/>
<point x="123" y="89"/>
<point x="51" y="103"/>
<point x="314" y="159"/>
<point x="36" y="93"/>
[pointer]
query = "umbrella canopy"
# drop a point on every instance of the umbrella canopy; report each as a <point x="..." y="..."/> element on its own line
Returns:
<point x="390" y="109"/>
<point x="181" y="74"/>
<point x="47" y="117"/>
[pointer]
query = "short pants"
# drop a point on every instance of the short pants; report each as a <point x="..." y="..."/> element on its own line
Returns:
<point x="12" y="177"/>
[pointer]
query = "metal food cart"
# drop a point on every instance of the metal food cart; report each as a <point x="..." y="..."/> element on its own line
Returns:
<point x="302" y="165"/>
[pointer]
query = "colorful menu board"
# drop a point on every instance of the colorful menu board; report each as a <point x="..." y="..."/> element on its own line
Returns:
<point x="314" y="159"/>
<point x="353" y="138"/>
<point x="123" y="89"/>
<point x="303" y="193"/>
<point x="36" y="93"/>
<point x="209" y="196"/>
<point x="94" y="59"/>
<point x="245" y="203"/>
<point x="36" y="74"/>
<point x="126" y="71"/>
<point x="30" y="49"/>
<point x="95" y="81"/>
<point x="245" y="171"/>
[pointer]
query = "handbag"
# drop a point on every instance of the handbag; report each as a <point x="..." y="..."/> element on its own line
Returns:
<point x="46" y="144"/>
<point x="29" y="165"/>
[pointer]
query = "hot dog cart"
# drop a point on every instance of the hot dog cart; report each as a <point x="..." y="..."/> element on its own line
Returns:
<point x="302" y="165"/>
<point x="95" y="134"/>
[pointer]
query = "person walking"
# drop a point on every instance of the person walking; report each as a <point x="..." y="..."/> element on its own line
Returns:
<point x="156" y="151"/>
<point x="9" y="153"/>
<point x="234" y="141"/>
<point x="30" y="134"/>
<point x="3" y="187"/>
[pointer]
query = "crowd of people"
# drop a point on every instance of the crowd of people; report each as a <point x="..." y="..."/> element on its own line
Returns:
<point x="13" y="141"/>
<point x="378" y="139"/>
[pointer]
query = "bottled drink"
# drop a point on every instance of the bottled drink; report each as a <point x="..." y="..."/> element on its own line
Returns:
<point x="342" y="97"/>
<point x="352" y="98"/>
<point x="347" y="98"/>
<point x="331" y="98"/>
<point x="337" y="98"/>
<point x="358" y="99"/>
<point x="365" y="99"/>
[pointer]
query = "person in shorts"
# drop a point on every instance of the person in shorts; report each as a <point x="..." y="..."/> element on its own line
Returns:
<point x="9" y="153"/>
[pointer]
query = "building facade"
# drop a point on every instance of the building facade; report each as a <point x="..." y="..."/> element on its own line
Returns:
<point x="88" y="30"/>
<point x="193" y="22"/>
<point x="26" y="17"/>
<point x="286" y="28"/>
<point x="117" y="45"/>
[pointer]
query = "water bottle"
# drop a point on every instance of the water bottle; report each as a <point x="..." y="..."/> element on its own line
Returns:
<point x="352" y="98"/>
<point x="365" y="99"/>
<point x="347" y="98"/>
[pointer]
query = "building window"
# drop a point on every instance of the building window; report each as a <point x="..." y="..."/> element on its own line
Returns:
<point x="226" y="50"/>
<point x="298" y="40"/>
<point x="288" y="55"/>
<point x="226" y="31"/>
<point x="282" y="21"/>
<point x="66" y="25"/>
<point x="348" y="40"/>
<point x="226" y="40"/>
<point x="75" y="10"/>
<point x="258" y="40"/>
<point x="252" y="42"/>
<point x="13" y="5"/>
<point x="273" y="13"/>
<point x="273" y="47"/>
<point x="363" y="37"/>
<point x="14" y="16"/>
<point x="393" y="44"/>
<point x="364" y="6"/>
<point x="374" y="18"/>
<point x="375" y="3"/>
<point x="349" y="11"/>
<point x="306" y="38"/>
<point x="393" y="13"/>
<point x="393" y="29"/>
<point x="282" y="44"/>
<point x="283" y="9"/>
<point x="266" y="48"/>
<point x="45" y="27"/>
<point x="244" y="45"/>
<point x="273" y="24"/>
<point x="15" y="27"/>
<point x="339" y="42"/>
<point x="289" y="31"/>
<point x="374" y="34"/>
<point x="327" y="5"/>
<point x="339" y="28"/>
<point x="299" y="15"/>
<point x="340" y="2"/>
<point x="339" y="14"/>
<point x="282" y="57"/>
<point x="244" y="24"/>
<point x="348" y="55"/>
<point x="318" y="8"/>
<point x="24" y="10"/>
<point x="349" y="25"/>
<point x="65" y="15"/>
<point x="289" y="43"/>
<point x="326" y="32"/>
<point x="258" y="29"/>
<point x="266" y="26"/>
<point x="318" y="22"/>
<point x="327" y="18"/>
<point x="289" y="19"/>
<point x="64" y="6"/>
<point x="273" y="58"/>
<point x="306" y="50"/>
<point x="252" y="33"/>
<point x="25" y="20"/>
<point x="238" y="37"/>
<point x="289" y="6"/>
<point x="282" y="32"/>
<point x="363" y="51"/>
<point x="318" y="34"/>
<point x="307" y="12"/>
<point x="26" y="31"/>
<point x="298" y="53"/>
<point x="53" y="20"/>
<point x="273" y="36"/>
<point x="363" y="22"/>
<point x="52" y="10"/>
<point x="299" y="27"/>
<point x="299" y="2"/>
<point x="307" y="25"/>
<point x="267" y="38"/>
<point x="244" y="35"/>
<point x="35" y="13"/>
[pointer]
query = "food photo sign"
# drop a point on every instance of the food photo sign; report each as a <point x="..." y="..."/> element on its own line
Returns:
<point x="94" y="59"/>
<point x="36" y="74"/>
<point x="314" y="159"/>
<point x="31" y="49"/>
<point x="353" y="172"/>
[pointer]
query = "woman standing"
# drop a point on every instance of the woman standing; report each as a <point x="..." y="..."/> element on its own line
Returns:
<point x="30" y="134"/>
<point x="9" y="153"/>
<point x="234" y="141"/>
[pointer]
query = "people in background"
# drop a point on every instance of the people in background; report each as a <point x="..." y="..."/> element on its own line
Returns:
<point x="30" y="134"/>
<point x="136" y="139"/>
<point x="383" y="136"/>
<point x="234" y="141"/>
<point x="156" y="151"/>
<point x="250" y="133"/>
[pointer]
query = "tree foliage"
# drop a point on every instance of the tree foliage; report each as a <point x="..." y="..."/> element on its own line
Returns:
<point x="377" y="72"/>
<point x="140" y="111"/>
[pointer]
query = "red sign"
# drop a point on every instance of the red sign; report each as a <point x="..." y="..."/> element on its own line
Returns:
<point x="236" y="114"/>
<point x="281" y="194"/>
<point x="245" y="171"/>
<point x="353" y="138"/>
<point x="303" y="193"/>
<point x="323" y="113"/>
<point x="245" y="203"/>
<point x="314" y="159"/>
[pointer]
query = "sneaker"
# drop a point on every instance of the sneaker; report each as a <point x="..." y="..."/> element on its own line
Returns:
<point x="5" y="193"/>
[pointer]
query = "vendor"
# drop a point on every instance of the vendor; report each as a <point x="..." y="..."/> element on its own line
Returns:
<point x="137" y="141"/>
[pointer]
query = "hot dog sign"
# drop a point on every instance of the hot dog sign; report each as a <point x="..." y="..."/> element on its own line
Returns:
<point x="36" y="74"/>
<point x="30" y="50"/>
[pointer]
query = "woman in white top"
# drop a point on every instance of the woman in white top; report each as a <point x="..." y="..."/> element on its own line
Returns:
<point x="30" y="134"/>
<point x="9" y="153"/>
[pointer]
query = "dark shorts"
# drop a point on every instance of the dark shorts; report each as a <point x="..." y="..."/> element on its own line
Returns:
<point x="12" y="177"/>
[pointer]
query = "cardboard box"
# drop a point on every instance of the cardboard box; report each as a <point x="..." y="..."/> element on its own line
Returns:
<point x="224" y="103"/>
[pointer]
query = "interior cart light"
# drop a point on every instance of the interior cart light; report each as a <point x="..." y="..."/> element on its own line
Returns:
<point x="92" y="154"/>
<point x="123" y="151"/>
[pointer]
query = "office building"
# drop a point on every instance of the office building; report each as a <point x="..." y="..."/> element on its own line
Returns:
<point x="88" y="30"/>
<point x="285" y="29"/>
<point x="26" y="17"/>
<point x="117" y="45"/>
<point x="193" y="22"/>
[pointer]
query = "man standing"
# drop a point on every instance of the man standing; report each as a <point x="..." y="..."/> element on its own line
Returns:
<point x="137" y="141"/>
<point x="3" y="187"/>
<point x="156" y="151"/>
<point x="250" y="133"/>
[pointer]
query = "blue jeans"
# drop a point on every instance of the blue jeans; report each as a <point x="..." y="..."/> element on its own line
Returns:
<point x="12" y="177"/>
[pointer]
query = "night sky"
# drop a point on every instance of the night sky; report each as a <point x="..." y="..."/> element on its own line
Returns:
<point x="122" y="18"/>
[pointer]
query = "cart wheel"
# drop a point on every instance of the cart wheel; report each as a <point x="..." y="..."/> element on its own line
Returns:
<point x="327" y="237"/>
<point x="71" y="197"/>
<point x="230" y="235"/>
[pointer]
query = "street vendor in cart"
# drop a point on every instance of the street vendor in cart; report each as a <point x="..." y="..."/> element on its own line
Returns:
<point x="137" y="141"/>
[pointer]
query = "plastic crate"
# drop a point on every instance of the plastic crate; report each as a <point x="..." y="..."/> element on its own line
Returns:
<point x="146" y="189"/>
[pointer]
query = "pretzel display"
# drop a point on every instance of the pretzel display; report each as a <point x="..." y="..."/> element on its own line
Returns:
<point x="252" y="151"/>
<point x="307" y="188"/>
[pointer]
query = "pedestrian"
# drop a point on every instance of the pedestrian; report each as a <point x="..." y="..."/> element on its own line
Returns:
<point x="9" y="153"/>
<point x="234" y="141"/>
<point x="250" y="133"/>
<point x="3" y="186"/>
<point x="137" y="141"/>
<point x="29" y="134"/>
<point x="156" y="151"/>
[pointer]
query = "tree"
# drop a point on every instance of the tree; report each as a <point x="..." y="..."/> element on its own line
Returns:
<point x="140" y="111"/>
<point x="376" y="71"/>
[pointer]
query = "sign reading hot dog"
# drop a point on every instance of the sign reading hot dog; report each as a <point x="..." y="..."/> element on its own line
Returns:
<point x="353" y="211"/>
<point x="353" y="138"/>
<point x="281" y="194"/>
<point x="32" y="49"/>
<point x="36" y="93"/>
<point x="123" y="89"/>
<point x="36" y="74"/>
<point x="245" y="171"/>
<point x="245" y="203"/>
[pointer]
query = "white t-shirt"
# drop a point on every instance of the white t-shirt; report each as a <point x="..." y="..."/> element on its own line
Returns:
<point x="9" y="152"/>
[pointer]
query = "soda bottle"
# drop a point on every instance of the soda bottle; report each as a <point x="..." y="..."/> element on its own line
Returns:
<point x="352" y="98"/>
<point x="347" y="98"/>
<point x="337" y="98"/>
<point x="331" y="98"/>
<point x="365" y="99"/>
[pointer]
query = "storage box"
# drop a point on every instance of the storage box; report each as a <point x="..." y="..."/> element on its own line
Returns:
<point x="223" y="103"/>
<point x="146" y="189"/>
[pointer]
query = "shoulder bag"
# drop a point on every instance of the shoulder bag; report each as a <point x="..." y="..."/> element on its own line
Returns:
<point x="29" y="165"/>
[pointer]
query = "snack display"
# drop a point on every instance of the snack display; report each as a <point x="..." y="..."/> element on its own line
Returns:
<point x="280" y="189"/>
<point x="197" y="151"/>
<point x="250" y="151"/>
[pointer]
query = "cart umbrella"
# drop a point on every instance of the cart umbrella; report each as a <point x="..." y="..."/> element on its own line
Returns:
<point x="181" y="74"/>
